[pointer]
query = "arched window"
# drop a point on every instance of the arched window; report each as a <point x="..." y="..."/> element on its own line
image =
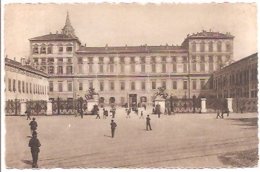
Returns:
<point x="228" y="47"/>
<point x="35" y="49"/>
<point x="49" y="49"/>
<point x="43" y="49"/>
<point x="112" y="100"/>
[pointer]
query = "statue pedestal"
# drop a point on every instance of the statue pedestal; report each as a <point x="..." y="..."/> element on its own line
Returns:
<point x="203" y="105"/>
<point x="91" y="103"/>
<point x="160" y="101"/>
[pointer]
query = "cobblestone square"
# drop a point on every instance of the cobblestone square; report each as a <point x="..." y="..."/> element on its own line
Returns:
<point x="181" y="140"/>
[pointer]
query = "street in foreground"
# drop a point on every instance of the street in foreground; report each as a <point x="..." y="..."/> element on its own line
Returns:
<point x="182" y="140"/>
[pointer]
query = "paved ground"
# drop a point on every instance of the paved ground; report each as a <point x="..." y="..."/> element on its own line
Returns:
<point x="182" y="140"/>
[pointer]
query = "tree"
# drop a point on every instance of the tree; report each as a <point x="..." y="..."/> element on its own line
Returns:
<point x="161" y="92"/>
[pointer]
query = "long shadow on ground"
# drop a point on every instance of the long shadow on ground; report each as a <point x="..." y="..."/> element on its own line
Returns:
<point x="248" y="158"/>
<point x="248" y="122"/>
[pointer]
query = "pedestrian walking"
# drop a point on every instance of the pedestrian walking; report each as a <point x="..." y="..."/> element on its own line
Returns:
<point x="158" y="110"/>
<point x="142" y="115"/>
<point x="33" y="125"/>
<point x="128" y="113"/>
<point x="113" y="128"/>
<point x="113" y="112"/>
<point x="104" y="113"/>
<point x="28" y="114"/>
<point x="34" y="144"/>
<point x="81" y="113"/>
<point x="148" y="123"/>
<point x="218" y="114"/>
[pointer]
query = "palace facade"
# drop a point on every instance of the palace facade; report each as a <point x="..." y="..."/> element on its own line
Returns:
<point x="24" y="82"/>
<point x="126" y="74"/>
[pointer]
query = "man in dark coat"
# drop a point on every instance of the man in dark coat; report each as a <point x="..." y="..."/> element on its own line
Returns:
<point x="148" y="124"/>
<point x="34" y="143"/>
<point x="158" y="110"/>
<point x="113" y="128"/>
<point x="33" y="125"/>
<point x="28" y="114"/>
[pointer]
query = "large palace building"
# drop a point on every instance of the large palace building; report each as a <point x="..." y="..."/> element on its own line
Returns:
<point x="124" y="74"/>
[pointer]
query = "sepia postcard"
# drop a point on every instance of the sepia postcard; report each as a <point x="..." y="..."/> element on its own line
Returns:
<point x="129" y="85"/>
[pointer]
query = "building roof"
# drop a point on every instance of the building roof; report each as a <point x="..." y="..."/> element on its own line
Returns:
<point x="209" y="34"/>
<point x="131" y="49"/>
<point x="28" y="68"/>
<point x="54" y="37"/>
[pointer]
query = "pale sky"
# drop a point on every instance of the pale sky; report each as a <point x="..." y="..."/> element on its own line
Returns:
<point x="131" y="24"/>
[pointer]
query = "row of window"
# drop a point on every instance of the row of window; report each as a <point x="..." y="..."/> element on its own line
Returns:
<point x="154" y="85"/>
<point x="59" y="69"/>
<point x="210" y="46"/>
<point x="51" y="60"/>
<point x="26" y="87"/>
<point x="43" y="49"/>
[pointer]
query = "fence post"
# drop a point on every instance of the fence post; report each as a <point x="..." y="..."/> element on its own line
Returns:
<point x="229" y="104"/>
<point x="203" y="105"/>
<point x="23" y="108"/>
<point x="49" y="108"/>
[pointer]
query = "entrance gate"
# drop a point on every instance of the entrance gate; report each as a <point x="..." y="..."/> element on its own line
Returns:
<point x="184" y="105"/>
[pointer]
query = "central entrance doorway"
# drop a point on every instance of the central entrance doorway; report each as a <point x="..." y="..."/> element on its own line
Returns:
<point x="132" y="100"/>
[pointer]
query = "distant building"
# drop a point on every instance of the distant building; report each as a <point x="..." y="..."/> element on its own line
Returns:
<point x="24" y="83"/>
<point x="238" y="81"/>
<point x="127" y="74"/>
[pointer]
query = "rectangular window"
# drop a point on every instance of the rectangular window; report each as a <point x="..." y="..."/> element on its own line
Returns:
<point x="60" y="70"/>
<point x="202" y="84"/>
<point x="30" y="88"/>
<point x="9" y="85"/>
<point x="51" y="86"/>
<point x="153" y="67"/>
<point x="174" y="67"/>
<point x="60" y="49"/>
<point x="60" y="60"/>
<point x="185" y="67"/>
<point x="142" y="59"/>
<point x="35" y="60"/>
<point x="101" y="68"/>
<point x="80" y="86"/>
<point x="143" y="85"/>
<point x="143" y="68"/>
<point x="194" y="84"/>
<point x="80" y="68"/>
<point x="69" y="49"/>
<point x="14" y="86"/>
<point x="101" y="85"/>
<point x="163" y="68"/>
<point x="153" y="85"/>
<point x="211" y="67"/>
<point x="132" y="85"/>
<point x="174" y="85"/>
<point x="43" y="50"/>
<point x="202" y="58"/>
<point x="202" y="67"/>
<point x="111" y="66"/>
<point x="35" y="50"/>
<point x="122" y="68"/>
<point x="23" y="86"/>
<point x="91" y="84"/>
<point x="122" y="85"/>
<point x="69" y="69"/>
<point x="90" y="68"/>
<point x="50" y="60"/>
<point x="27" y="88"/>
<point x="211" y="59"/>
<point x="132" y="67"/>
<point x="51" y="70"/>
<point x="49" y="50"/>
<point x="69" y="86"/>
<point x="69" y="60"/>
<point x="112" y="85"/>
<point x="122" y="60"/>
<point x="164" y="84"/>
<point x="80" y="60"/>
<point x="60" y="86"/>
<point x="185" y="85"/>
<point x="194" y="67"/>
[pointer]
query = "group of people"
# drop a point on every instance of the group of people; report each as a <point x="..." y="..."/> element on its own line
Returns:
<point x="34" y="143"/>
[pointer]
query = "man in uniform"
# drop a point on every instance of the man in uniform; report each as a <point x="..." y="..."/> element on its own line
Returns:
<point x="33" y="124"/>
<point x="34" y="143"/>
<point x="148" y="124"/>
<point x="113" y="128"/>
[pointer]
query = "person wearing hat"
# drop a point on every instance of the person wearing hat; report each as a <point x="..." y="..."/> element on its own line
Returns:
<point x="148" y="124"/>
<point x="34" y="144"/>
<point x="33" y="124"/>
<point x="113" y="128"/>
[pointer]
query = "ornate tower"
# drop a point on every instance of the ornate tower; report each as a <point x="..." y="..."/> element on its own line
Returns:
<point x="68" y="29"/>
